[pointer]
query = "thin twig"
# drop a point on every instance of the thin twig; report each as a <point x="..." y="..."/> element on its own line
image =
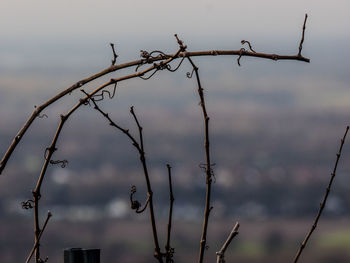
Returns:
<point x="323" y="204"/>
<point x="140" y="148"/>
<point x="114" y="54"/>
<point x="136" y="63"/>
<point x="302" y="36"/>
<point x="220" y="255"/>
<point x="208" y="169"/>
<point x="37" y="242"/>
<point x="50" y="150"/>
<point x="169" y="250"/>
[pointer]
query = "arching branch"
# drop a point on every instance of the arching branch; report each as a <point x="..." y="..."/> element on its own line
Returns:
<point x="136" y="63"/>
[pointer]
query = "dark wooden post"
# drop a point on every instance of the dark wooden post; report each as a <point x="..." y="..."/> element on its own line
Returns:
<point x="79" y="255"/>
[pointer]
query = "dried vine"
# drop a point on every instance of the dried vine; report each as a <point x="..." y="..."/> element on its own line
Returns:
<point x="323" y="203"/>
<point x="154" y="62"/>
<point x="220" y="255"/>
<point x="169" y="251"/>
<point x="139" y="145"/>
<point x="148" y="60"/>
<point x="208" y="168"/>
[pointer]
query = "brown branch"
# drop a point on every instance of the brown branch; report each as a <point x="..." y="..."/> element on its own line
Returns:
<point x="208" y="168"/>
<point x="302" y="36"/>
<point x="37" y="191"/>
<point x="37" y="242"/>
<point x="136" y="63"/>
<point x="140" y="148"/>
<point x="169" y="250"/>
<point x="50" y="150"/>
<point x="221" y="253"/>
<point x="323" y="204"/>
<point x="114" y="54"/>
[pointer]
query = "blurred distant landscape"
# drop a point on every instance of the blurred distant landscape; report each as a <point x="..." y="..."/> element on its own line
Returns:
<point x="275" y="130"/>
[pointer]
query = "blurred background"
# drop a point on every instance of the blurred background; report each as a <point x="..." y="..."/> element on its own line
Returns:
<point x="275" y="128"/>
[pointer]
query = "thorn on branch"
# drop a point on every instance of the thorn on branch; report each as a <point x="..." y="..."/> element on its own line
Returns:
<point x="114" y="54"/>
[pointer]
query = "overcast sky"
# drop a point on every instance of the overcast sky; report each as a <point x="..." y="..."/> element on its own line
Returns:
<point x="41" y="36"/>
<point x="59" y="19"/>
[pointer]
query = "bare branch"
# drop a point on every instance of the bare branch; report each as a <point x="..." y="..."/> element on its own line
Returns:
<point x="323" y="204"/>
<point x="137" y="63"/>
<point x="249" y="45"/>
<point x="221" y="253"/>
<point x="302" y="36"/>
<point x="208" y="168"/>
<point x="139" y="146"/>
<point x="168" y="249"/>
<point x="37" y="242"/>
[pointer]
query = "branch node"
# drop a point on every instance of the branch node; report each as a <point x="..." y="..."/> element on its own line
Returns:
<point x="114" y="54"/>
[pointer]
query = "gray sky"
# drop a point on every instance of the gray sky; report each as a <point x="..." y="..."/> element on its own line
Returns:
<point x="58" y="42"/>
<point x="82" y="18"/>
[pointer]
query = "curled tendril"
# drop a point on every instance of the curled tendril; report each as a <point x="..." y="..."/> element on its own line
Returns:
<point x="99" y="97"/>
<point x="170" y="253"/>
<point x="242" y="50"/>
<point x="27" y="204"/>
<point x="47" y="150"/>
<point x="148" y="58"/>
<point x="63" y="163"/>
<point x="135" y="205"/>
<point x="85" y="101"/>
<point x="203" y="166"/>
<point x="190" y="74"/>
<point x="249" y="45"/>
<point x="150" y="76"/>
<point x="240" y="55"/>
<point x="176" y="68"/>
<point x="42" y="115"/>
<point x="40" y="260"/>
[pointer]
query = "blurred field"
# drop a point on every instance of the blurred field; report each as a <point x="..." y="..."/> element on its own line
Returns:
<point x="131" y="241"/>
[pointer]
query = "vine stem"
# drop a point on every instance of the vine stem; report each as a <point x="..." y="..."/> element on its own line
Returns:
<point x="208" y="168"/>
<point x="171" y="201"/>
<point x="139" y="62"/>
<point x="323" y="204"/>
<point x="220" y="255"/>
<point x="37" y="241"/>
<point x="140" y="148"/>
<point x="52" y="148"/>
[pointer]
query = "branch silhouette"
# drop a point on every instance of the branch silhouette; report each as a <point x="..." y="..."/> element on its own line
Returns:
<point x="140" y="148"/>
<point x="145" y="68"/>
<point x="164" y="58"/>
<point x="323" y="203"/>
<point x="221" y="253"/>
